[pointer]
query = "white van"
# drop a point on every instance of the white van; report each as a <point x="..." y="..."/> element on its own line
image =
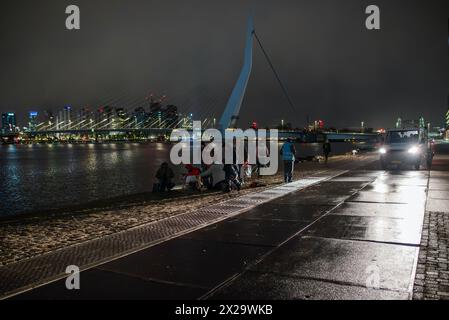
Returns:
<point x="406" y="147"/>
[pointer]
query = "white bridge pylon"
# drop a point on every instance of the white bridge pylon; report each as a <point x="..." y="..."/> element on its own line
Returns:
<point x="232" y="110"/>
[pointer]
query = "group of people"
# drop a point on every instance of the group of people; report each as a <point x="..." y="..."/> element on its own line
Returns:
<point x="226" y="177"/>
<point x="217" y="176"/>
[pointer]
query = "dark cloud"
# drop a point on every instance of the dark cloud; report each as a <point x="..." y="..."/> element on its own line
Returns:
<point x="192" y="51"/>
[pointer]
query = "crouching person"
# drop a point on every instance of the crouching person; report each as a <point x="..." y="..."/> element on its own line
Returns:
<point x="164" y="175"/>
<point x="231" y="178"/>
<point x="215" y="175"/>
<point x="193" y="178"/>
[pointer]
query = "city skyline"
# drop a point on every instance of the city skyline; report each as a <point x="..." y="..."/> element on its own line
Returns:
<point x="340" y="72"/>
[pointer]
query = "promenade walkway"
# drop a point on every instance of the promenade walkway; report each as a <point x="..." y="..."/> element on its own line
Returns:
<point x="352" y="232"/>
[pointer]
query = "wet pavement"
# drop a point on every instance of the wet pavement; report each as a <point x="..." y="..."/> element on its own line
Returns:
<point x="364" y="248"/>
<point x="354" y="236"/>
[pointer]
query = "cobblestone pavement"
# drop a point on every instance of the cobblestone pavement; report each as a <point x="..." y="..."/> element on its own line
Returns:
<point x="432" y="274"/>
<point x="28" y="238"/>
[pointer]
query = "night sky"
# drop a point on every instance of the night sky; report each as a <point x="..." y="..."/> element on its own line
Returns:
<point x="192" y="51"/>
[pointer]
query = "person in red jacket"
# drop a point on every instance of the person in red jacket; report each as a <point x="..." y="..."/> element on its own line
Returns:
<point x="193" y="178"/>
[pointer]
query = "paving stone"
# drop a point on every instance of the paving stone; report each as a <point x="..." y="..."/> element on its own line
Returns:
<point x="432" y="272"/>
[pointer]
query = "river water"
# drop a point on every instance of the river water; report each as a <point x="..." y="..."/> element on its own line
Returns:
<point x="41" y="177"/>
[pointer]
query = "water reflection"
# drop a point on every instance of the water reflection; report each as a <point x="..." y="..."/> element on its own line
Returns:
<point x="400" y="187"/>
<point x="43" y="176"/>
<point x="52" y="176"/>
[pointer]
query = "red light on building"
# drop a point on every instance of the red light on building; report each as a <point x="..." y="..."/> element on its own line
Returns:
<point x="320" y="124"/>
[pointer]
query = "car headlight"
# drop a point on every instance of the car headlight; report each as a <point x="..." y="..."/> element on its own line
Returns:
<point x="413" y="150"/>
<point x="382" y="151"/>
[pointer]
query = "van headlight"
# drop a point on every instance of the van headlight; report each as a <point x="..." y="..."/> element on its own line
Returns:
<point x="382" y="151"/>
<point x="413" y="150"/>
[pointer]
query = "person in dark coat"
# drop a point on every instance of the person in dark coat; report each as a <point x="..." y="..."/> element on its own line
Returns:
<point x="165" y="175"/>
<point x="231" y="177"/>
<point x="326" y="150"/>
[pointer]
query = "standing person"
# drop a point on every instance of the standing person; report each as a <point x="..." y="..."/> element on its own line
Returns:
<point x="288" y="152"/>
<point x="165" y="175"/>
<point x="326" y="150"/>
<point x="258" y="164"/>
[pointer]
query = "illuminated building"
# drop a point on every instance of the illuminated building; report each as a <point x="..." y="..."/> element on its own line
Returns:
<point x="32" y="120"/>
<point x="9" y="123"/>
<point x="64" y="119"/>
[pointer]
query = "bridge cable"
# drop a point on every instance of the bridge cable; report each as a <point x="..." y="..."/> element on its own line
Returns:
<point x="284" y="89"/>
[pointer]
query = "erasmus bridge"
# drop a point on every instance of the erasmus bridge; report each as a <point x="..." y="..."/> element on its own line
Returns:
<point x="160" y="120"/>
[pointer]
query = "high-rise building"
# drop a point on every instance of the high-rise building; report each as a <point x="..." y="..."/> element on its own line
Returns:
<point x="49" y="117"/>
<point x="121" y="118"/>
<point x="170" y="116"/>
<point x="447" y="119"/>
<point x="100" y="118"/>
<point x="422" y="122"/>
<point x="49" y="120"/>
<point x="64" y="119"/>
<point x="9" y="123"/>
<point x="105" y="118"/>
<point x="109" y="116"/>
<point x="447" y="114"/>
<point x="32" y="120"/>
<point x="83" y="120"/>
<point x="141" y="118"/>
